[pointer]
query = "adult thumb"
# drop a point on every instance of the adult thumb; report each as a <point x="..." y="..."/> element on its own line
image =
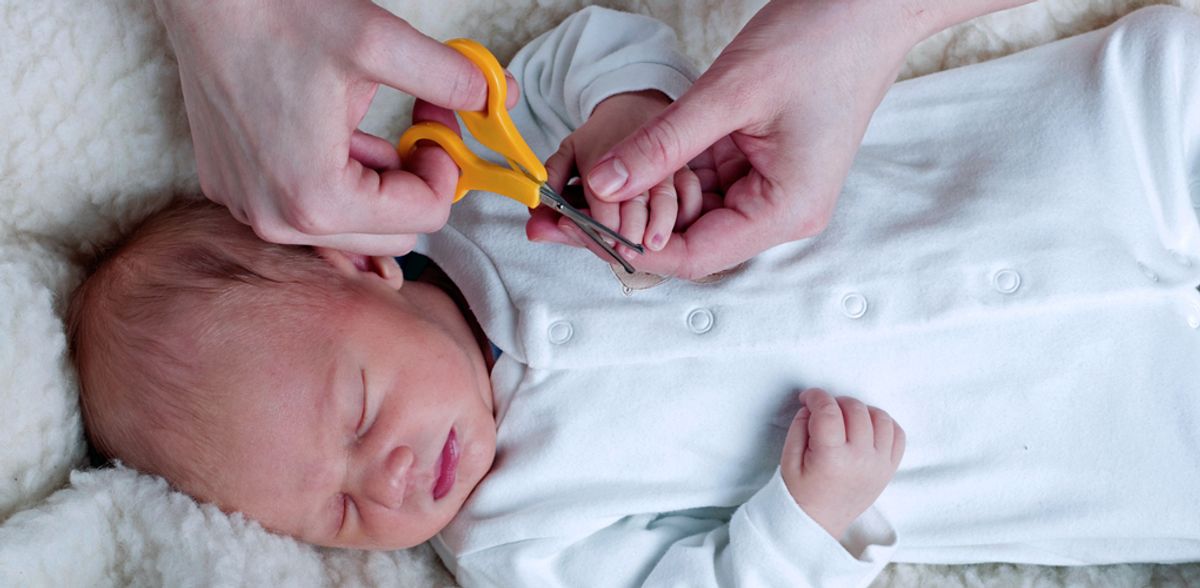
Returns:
<point x="392" y="52"/>
<point x="663" y="145"/>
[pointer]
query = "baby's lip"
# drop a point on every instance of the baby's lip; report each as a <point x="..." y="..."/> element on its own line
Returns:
<point x="446" y="467"/>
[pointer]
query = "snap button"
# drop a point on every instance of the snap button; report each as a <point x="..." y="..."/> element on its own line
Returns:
<point x="561" y="332"/>
<point x="1181" y="259"/>
<point x="1149" y="273"/>
<point x="700" y="321"/>
<point x="854" y="305"/>
<point x="1194" y="321"/>
<point x="1006" y="281"/>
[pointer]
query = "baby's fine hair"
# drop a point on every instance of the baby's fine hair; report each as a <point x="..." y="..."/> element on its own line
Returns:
<point x="184" y="283"/>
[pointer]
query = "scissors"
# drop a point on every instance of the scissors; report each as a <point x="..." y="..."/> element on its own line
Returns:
<point x="524" y="179"/>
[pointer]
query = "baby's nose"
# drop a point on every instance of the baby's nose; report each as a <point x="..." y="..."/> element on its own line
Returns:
<point x="388" y="481"/>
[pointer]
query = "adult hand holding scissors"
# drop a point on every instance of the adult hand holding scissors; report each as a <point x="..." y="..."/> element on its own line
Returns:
<point x="784" y="109"/>
<point x="274" y="93"/>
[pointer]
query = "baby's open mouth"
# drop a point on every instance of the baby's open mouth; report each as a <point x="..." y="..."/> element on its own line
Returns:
<point x="447" y="467"/>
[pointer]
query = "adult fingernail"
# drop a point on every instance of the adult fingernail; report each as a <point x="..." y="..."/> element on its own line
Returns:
<point x="608" y="177"/>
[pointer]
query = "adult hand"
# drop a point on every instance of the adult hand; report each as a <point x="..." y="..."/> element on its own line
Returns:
<point x="274" y="94"/>
<point x="784" y="109"/>
<point x="648" y="219"/>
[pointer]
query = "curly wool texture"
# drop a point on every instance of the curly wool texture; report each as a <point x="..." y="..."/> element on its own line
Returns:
<point x="95" y="137"/>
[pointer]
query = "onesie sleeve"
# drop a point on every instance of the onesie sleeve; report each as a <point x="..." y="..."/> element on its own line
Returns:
<point x="594" y="54"/>
<point x="768" y="541"/>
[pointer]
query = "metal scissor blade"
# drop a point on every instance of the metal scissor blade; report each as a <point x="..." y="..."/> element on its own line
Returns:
<point x="588" y="225"/>
<point x="554" y="200"/>
<point x="599" y="241"/>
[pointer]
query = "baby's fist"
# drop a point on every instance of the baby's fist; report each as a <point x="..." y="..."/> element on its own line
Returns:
<point x="838" y="457"/>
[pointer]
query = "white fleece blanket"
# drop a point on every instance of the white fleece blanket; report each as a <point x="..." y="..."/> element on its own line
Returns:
<point x="93" y="136"/>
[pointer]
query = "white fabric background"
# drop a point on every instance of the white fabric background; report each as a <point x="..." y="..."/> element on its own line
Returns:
<point x="93" y="136"/>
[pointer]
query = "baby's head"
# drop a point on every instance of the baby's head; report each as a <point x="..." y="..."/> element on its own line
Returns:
<point x="302" y="387"/>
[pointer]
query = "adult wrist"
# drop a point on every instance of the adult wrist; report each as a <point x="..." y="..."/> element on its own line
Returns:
<point x="921" y="19"/>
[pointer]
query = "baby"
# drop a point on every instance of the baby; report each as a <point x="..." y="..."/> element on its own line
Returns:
<point x="1012" y="272"/>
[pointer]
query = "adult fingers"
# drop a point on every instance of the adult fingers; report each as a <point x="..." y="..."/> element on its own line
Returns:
<point x="361" y="200"/>
<point x="425" y="111"/>
<point x="826" y="426"/>
<point x="391" y="245"/>
<point x="433" y="165"/>
<point x="543" y="227"/>
<point x="373" y="152"/>
<point x="390" y="51"/>
<point x="665" y="143"/>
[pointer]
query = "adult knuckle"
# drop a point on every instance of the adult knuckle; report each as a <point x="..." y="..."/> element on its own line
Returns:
<point x="810" y="222"/>
<point x="307" y="214"/>
<point x="272" y="231"/>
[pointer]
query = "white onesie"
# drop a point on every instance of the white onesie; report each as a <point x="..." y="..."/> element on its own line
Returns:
<point x="1011" y="272"/>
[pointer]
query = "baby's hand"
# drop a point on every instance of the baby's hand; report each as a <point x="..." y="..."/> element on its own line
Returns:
<point x="838" y="457"/>
<point x="649" y="218"/>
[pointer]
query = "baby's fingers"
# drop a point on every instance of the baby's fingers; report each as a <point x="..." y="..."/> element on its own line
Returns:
<point x="858" y="422"/>
<point x="898" y="444"/>
<point x="634" y="215"/>
<point x="664" y="206"/>
<point x="826" y="427"/>
<point x="885" y="430"/>
<point x="796" y="442"/>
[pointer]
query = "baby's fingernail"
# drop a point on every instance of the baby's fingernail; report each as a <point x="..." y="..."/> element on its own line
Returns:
<point x="628" y="253"/>
<point x="656" y="242"/>
<point x="608" y="177"/>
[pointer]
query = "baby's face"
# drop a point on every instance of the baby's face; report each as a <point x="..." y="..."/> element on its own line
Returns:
<point x="368" y="431"/>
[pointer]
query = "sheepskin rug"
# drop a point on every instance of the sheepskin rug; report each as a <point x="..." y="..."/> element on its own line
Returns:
<point x="93" y="137"/>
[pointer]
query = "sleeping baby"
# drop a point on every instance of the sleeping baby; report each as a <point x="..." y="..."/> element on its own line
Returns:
<point x="1011" y="273"/>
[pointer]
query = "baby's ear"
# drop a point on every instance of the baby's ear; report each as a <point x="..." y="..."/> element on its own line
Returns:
<point x="358" y="266"/>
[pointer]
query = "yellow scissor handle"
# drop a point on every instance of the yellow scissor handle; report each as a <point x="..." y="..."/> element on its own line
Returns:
<point x="493" y="127"/>
<point x="477" y="172"/>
